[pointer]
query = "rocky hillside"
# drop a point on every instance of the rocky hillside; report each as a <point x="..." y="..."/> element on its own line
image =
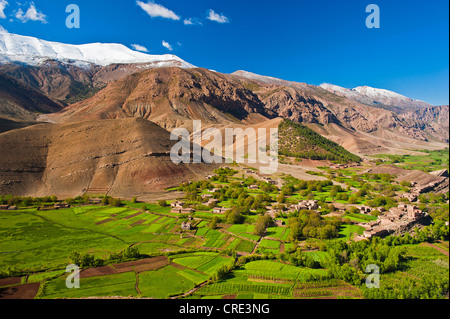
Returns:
<point x="434" y="121"/>
<point x="21" y="102"/>
<point x="56" y="80"/>
<point x="171" y="97"/>
<point x="123" y="157"/>
<point x="379" y="98"/>
<point x="303" y="103"/>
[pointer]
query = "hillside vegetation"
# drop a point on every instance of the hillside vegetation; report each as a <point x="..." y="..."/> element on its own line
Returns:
<point x="301" y="142"/>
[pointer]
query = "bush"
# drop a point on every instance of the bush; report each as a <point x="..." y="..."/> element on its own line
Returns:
<point x="162" y="203"/>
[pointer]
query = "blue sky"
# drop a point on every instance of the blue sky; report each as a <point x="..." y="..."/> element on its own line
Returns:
<point x="305" y="41"/>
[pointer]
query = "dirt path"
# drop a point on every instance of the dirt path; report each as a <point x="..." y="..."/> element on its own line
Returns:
<point x="438" y="248"/>
<point x="190" y="291"/>
<point x="257" y="245"/>
<point x="136" y="286"/>
<point x="240" y="237"/>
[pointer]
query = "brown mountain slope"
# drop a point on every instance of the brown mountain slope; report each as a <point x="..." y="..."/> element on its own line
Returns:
<point x="20" y="102"/>
<point x="434" y="121"/>
<point x="171" y="97"/>
<point x="124" y="157"/>
<point x="56" y="80"/>
<point x="68" y="82"/>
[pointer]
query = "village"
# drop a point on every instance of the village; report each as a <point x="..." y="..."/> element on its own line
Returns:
<point x="394" y="221"/>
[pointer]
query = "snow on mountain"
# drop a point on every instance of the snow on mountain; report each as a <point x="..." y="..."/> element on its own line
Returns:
<point x="341" y="91"/>
<point x="266" y="79"/>
<point x="33" y="51"/>
<point x="379" y="93"/>
<point x="376" y="97"/>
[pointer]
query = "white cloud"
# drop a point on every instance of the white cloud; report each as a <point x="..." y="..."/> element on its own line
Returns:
<point x="139" y="47"/>
<point x="32" y="14"/>
<point x="167" y="45"/>
<point x="192" y="21"/>
<point x="3" y="4"/>
<point x="220" y="18"/>
<point x="156" y="10"/>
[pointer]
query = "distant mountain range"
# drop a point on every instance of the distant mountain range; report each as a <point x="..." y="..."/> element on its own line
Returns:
<point x="33" y="51"/>
<point x="64" y="84"/>
<point x="378" y="98"/>
<point x="119" y="82"/>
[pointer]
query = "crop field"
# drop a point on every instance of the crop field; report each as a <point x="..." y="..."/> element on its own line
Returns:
<point x="245" y="246"/>
<point x="361" y="218"/>
<point x="348" y="231"/>
<point x="207" y="263"/>
<point x="220" y="258"/>
<point x="113" y="285"/>
<point x="329" y="289"/>
<point x="319" y="256"/>
<point x="43" y="240"/>
<point x="34" y="241"/>
<point x="280" y="233"/>
<point x="428" y="162"/>
<point x="274" y="280"/>
<point x="186" y="271"/>
<point x="245" y="231"/>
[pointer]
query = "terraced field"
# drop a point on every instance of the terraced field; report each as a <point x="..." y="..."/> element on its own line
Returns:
<point x="271" y="279"/>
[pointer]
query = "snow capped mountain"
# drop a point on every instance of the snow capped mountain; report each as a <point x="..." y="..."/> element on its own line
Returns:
<point x="33" y="51"/>
<point x="377" y="97"/>
<point x="380" y="94"/>
<point x="341" y="91"/>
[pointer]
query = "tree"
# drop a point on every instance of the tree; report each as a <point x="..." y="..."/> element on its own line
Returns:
<point x="214" y="222"/>
<point x="234" y="216"/>
<point x="310" y="196"/>
<point x="262" y="224"/>
<point x="105" y="200"/>
<point x="162" y="203"/>
<point x="116" y="202"/>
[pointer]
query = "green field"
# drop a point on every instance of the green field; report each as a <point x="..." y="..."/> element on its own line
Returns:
<point x="114" y="285"/>
<point x="428" y="162"/>
<point x="311" y="256"/>
<point x="348" y="231"/>
<point x="261" y="279"/>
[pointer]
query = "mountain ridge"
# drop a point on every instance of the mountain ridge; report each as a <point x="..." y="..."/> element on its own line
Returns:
<point x="33" y="51"/>
<point x="380" y="98"/>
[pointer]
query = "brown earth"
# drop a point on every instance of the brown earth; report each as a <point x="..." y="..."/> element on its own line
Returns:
<point x="104" y="221"/>
<point x="27" y="291"/>
<point x="97" y="272"/>
<point x="142" y="265"/>
<point x="138" y="266"/>
<point x="132" y="216"/>
<point x="10" y="281"/>
<point x="140" y="222"/>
